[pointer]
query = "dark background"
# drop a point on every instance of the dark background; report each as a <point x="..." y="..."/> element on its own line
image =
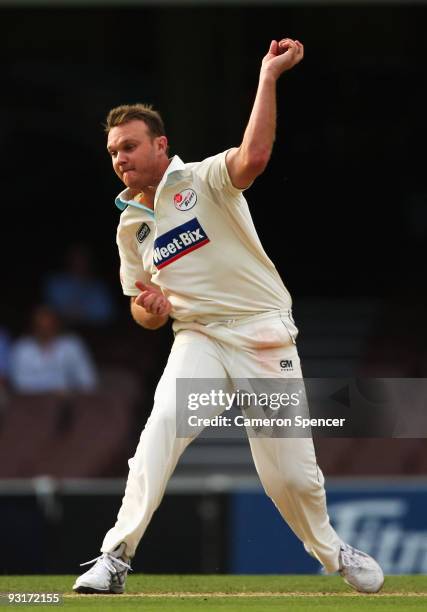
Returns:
<point x="341" y="208"/>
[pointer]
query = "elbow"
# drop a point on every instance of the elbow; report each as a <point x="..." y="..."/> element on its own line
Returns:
<point x="257" y="161"/>
<point x="259" y="165"/>
<point x="246" y="163"/>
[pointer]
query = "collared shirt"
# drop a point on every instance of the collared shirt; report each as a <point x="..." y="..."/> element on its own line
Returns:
<point x="199" y="245"/>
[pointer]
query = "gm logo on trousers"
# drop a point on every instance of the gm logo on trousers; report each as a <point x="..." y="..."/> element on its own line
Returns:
<point x="178" y="242"/>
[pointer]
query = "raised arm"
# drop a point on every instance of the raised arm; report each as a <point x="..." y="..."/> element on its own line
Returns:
<point x="251" y="158"/>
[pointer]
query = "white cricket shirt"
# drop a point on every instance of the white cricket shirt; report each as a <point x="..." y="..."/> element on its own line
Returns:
<point x="199" y="245"/>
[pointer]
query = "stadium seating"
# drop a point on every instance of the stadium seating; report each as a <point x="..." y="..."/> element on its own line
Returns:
<point x="77" y="436"/>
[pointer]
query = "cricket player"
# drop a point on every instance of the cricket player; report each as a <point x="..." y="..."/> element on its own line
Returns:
<point x="189" y="251"/>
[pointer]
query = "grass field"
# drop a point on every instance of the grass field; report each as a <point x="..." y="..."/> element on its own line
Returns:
<point x="228" y="594"/>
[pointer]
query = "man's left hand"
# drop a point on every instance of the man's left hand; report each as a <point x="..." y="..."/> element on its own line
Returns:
<point x="282" y="55"/>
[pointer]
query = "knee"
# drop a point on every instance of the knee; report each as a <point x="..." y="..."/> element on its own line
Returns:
<point x="292" y="484"/>
<point x="300" y="484"/>
<point x="159" y="448"/>
<point x="161" y="425"/>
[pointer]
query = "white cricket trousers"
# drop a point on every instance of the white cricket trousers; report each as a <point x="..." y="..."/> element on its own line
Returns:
<point x="287" y="468"/>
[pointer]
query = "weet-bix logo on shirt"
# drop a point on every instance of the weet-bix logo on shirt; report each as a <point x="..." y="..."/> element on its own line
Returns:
<point x="178" y="242"/>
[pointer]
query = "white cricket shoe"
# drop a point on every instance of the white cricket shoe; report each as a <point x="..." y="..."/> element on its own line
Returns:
<point x="108" y="575"/>
<point x="359" y="570"/>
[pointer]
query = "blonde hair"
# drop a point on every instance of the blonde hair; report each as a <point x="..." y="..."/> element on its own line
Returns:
<point x="140" y="112"/>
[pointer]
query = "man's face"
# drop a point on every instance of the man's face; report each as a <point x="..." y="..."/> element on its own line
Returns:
<point x="136" y="155"/>
<point x="45" y="324"/>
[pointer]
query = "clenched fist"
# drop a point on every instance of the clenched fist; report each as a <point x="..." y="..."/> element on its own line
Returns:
<point x="152" y="300"/>
<point x="282" y="55"/>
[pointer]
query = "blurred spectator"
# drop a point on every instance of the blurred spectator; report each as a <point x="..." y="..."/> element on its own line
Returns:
<point x="76" y="294"/>
<point x="50" y="361"/>
<point x="4" y="364"/>
<point x="4" y="355"/>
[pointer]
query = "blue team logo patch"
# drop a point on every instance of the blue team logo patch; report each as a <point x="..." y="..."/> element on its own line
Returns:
<point x="178" y="242"/>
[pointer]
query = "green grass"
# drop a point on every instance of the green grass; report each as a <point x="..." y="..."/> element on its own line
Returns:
<point x="229" y="594"/>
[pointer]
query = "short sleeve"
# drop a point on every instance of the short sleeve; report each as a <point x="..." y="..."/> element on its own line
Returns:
<point x="131" y="268"/>
<point x="213" y="170"/>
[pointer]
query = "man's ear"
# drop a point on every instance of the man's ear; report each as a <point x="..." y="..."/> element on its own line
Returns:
<point x="162" y="143"/>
